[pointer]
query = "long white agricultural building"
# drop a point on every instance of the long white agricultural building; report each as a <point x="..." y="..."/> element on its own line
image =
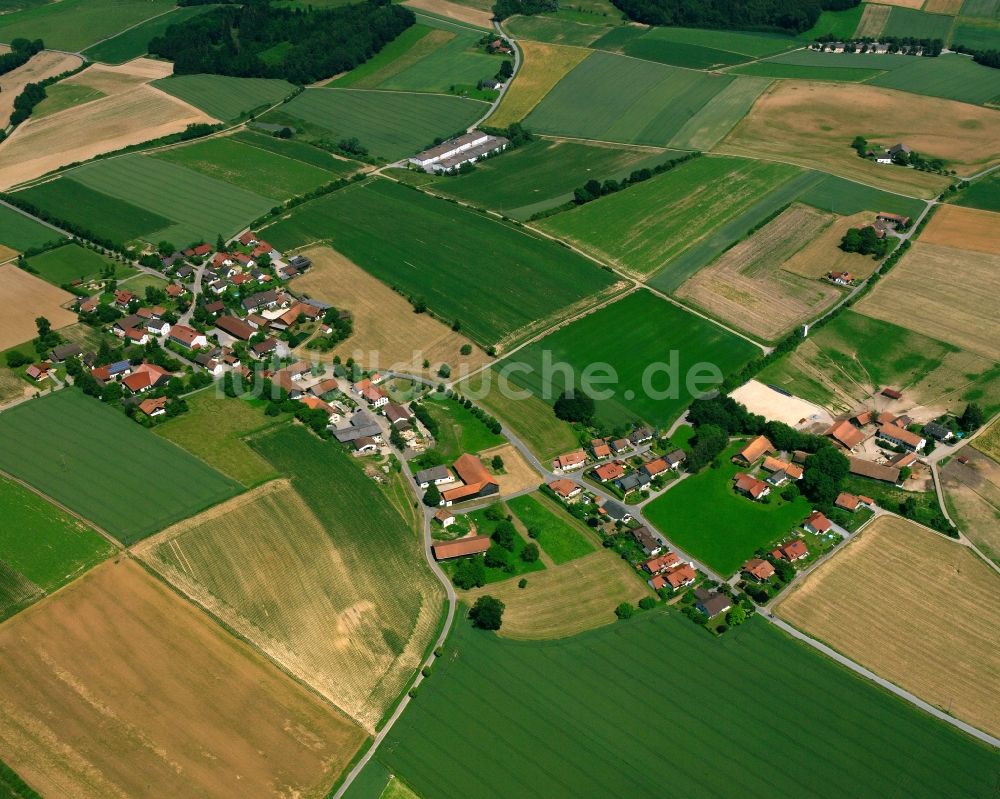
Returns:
<point x="463" y="149"/>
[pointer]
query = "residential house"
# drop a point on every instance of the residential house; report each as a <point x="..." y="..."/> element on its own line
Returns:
<point x="215" y="307"/>
<point x="64" y="352"/>
<point x="371" y="394"/>
<point x="620" y="445"/>
<point x="316" y="404"/>
<point x="792" y="551"/>
<point x="757" y="448"/>
<point x="477" y="482"/>
<point x="112" y="371"/>
<point x="361" y="425"/>
<point x="366" y="445"/>
<point x="654" y="467"/>
<point x="299" y="262"/>
<point x="938" y="432"/>
<point x="750" y="486"/>
<point x="461" y="547"/>
<point x="571" y="461"/>
<point x="188" y="337"/>
<point x="89" y="305"/>
<point x="661" y="563"/>
<point x="903" y="460"/>
<point x="262" y="299"/>
<point x="137" y="336"/>
<point x="640" y="435"/>
<point x="841" y="278"/>
<point x="158" y="327"/>
<point x="848" y="502"/>
<point x="123" y="298"/>
<point x="758" y="570"/>
<point x="146" y="376"/>
<point x="901" y="437"/>
<point x="397" y="414"/>
<point x="174" y="290"/>
<point x="600" y="449"/>
<point x="38" y="371"/>
<point x="894" y="220"/>
<point x="156" y="406"/>
<point x="609" y="471"/>
<point x="817" y="523"/>
<point x="675" y="459"/>
<point x="712" y="603"/>
<point x="445" y="518"/>
<point x="565" y="489"/>
<point x="645" y="539"/>
<point x="633" y="481"/>
<point x="200" y="251"/>
<point x="619" y="513"/>
<point x="680" y="577"/>
<point x="263" y="349"/>
<point x="438" y="475"/>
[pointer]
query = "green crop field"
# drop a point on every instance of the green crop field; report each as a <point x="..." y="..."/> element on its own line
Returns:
<point x="752" y="45"/>
<point x="102" y="465"/>
<point x="709" y="125"/>
<point x="20" y="232"/>
<point x="41" y="544"/>
<point x="493" y="278"/>
<point x="918" y="24"/>
<point x="411" y="45"/>
<point x="611" y="98"/>
<point x="13" y="787"/>
<point x="631" y="336"/>
<point x="458" y="430"/>
<point x="976" y="34"/>
<point x="842" y="196"/>
<point x="77" y="24"/>
<point x="555" y="31"/>
<point x="299" y="151"/>
<point x="251" y="168"/>
<point x="773" y="69"/>
<point x="692" y="47"/>
<point x="862" y="61"/>
<point x="390" y="125"/>
<point x="99" y="213"/>
<point x="736" y="527"/>
<point x="543" y="174"/>
<point x="223" y="97"/>
<point x="134" y="42"/>
<point x="556" y="532"/>
<point x="984" y="194"/>
<point x="645" y="227"/>
<point x="952" y="76"/>
<point x="200" y="207"/>
<point x="457" y="60"/>
<point x="980" y="8"/>
<point x="839" y="24"/>
<point x="574" y="696"/>
<point x="72" y="262"/>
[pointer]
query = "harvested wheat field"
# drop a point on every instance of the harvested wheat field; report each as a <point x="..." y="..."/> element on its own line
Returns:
<point x="914" y="607"/>
<point x="544" y="65"/>
<point x="387" y="333"/>
<point x="565" y="600"/>
<point x="973" y="494"/>
<point x="115" y="686"/>
<point x="264" y="564"/>
<point x="988" y="441"/>
<point x="964" y="228"/>
<point x="747" y="288"/>
<point x="455" y="11"/>
<point x="518" y="475"/>
<point x="949" y="7"/>
<point x="7" y="253"/>
<point x="823" y="255"/>
<point x="873" y="19"/>
<point x="812" y="124"/>
<point x="939" y="291"/>
<point x="46" y="64"/>
<point x="131" y="112"/>
<point x="25" y="297"/>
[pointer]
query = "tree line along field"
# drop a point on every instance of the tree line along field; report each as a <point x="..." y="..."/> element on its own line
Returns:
<point x="568" y="709"/>
<point x="119" y="652"/>
<point x="448" y="255"/>
<point x="627" y="100"/>
<point x="225" y="97"/>
<point x="543" y="174"/>
<point x="74" y="25"/>
<point x="41" y="547"/>
<point x="21" y="233"/>
<point x="390" y="125"/>
<point x="83" y="454"/>
<point x="871" y="603"/>
<point x="629" y="335"/>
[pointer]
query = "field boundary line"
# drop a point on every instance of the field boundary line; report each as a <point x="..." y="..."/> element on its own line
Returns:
<point x="115" y="36"/>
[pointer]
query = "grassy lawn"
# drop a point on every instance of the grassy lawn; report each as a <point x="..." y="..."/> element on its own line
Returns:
<point x="72" y="262"/>
<point x="736" y="526"/>
<point x="83" y="454"/>
<point x="559" y="534"/>
<point x="553" y="706"/>
<point x="223" y="97"/>
<point x="459" y="431"/>
<point x="213" y="429"/>
<point x="984" y="194"/>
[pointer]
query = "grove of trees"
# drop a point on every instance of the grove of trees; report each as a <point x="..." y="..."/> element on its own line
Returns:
<point x="793" y="16"/>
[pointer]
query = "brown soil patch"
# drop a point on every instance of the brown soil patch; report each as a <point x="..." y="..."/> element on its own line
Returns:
<point x="746" y="286"/>
<point x="949" y="7"/>
<point x="812" y="124"/>
<point x="565" y="600"/>
<point x="518" y="475"/>
<point x="939" y="291"/>
<point x="132" y="116"/>
<point x="472" y="16"/>
<point x="117" y="687"/>
<point x="914" y="607"/>
<point x="964" y="228"/>
<point x="542" y="67"/>
<point x="25" y="297"/>
<point x="973" y="491"/>
<point x="823" y="254"/>
<point x="770" y="404"/>
<point x="45" y="64"/>
<point x="387" y="334"/>
<point x="873" y="20"/>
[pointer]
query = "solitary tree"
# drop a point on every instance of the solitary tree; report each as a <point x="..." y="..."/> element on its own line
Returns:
<point x="487" y="613"/>
<point x="497" y="463"/>
<point x="972" y="418"/>
<point x="530" y="553"/>
<point x="736" y="616"/>
<point x="625" y="610"/>
<point x="432" y="497"/>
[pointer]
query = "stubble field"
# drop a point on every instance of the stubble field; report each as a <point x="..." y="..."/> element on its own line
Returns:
<point x="873" y="603"/>
<point x="748" y="287"/>
<point x="197" y="711"/>
<point x="972" y="491"/>
<point x="965" y="229"/>
<point x="24" y="298"/>
<point x="542" y="67"/>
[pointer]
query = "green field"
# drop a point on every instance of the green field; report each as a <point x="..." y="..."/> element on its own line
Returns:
<point x="101" y="214"/>
<point x="611" y="98"/>
<point x="557" y="532"/>
<point x="493" y="278"/>
<point x="556" y="31"/>
<point x="494" y="574"/>
<point x="543" y="174"/>
<point x="72" y="262"/>
<point x="100" y="464"/>
<point x="692" y="47"/>
<point x="976" y="34"/>
<point x="752" y="45"/>
<point x="773" y="69"/>
<point x="458" y="59"/>
<point x="199" y="207"/>
<point x="954" y="77"/>
<point x="736" y="527"/>
<point x="134" y="42"/>
<point x="60" y="96"/>
<point x="984" y="193"/>
<point x="709" y="125"/>
<point x="645" y="227"/>
<point x="574" y="696"/>
<point x="630" y="336"/>
<point x="981" y="8"/>
<point x="251" y="168"/>
<point x="841" y="196"/>
<point x="223" y="97"/>
<point x="76" y="24"/>
<point x="411" y="45"/>
<point x="458" y="430"/>
<point x="859" y="61"/>
<point x="20" y="232"/>
<point x="390" y="125"/>
<point x="918" y="24"/>
<point x="13" y="787"/>
<point x="299" y="151"/>
<point x="840" y="24"/>
<point x="41" y="544"/>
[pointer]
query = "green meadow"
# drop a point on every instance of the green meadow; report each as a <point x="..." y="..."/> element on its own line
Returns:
<point x="457" y="60"/>
<point x="494" y="279"/>
<point x="951" y="76"/>
<point x="918" y="24"/>
<point x="134" y="42"/>
<point x="71" y="262"/>
<point x="691" y="47"/>
<point x="97" y="462"/>
<point x="710" y="125"/>
<point x="555" y="31"/>
<point x="629" y="336"/>
<point x="74" y="25"/>
<point x="720" y="726"/>
<point x="20" y="232"/>
<point x="458" y="430"/>
<point x="977" y="34"/>
<point x="224" y="97"/>
<point x="60" y="96"/>
<point x="299" y="151"/>
<point x="555" y="531"/>
<point x="983" y="193"/>
<point x="411" y="45"/>
<point x="839" y="24"/>
<point x="773" y="69"/>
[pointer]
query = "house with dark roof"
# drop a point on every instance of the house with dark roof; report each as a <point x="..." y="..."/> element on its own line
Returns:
<point x="633" y="481"/>
<point x="617" y="512"/>
<point x="264" y="348"/>
<point x="234" y="327"/>
<point x="65" y="351"/>
<point x="640" y="436"/>
<point x="438" y="475"/>
<point x="712" y="603"/>
<point x="645" y="539"/>
<point x="361" y="424"/>
<point x="938" y="432"/>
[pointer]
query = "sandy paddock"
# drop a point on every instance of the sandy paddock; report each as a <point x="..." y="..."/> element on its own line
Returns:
<point x="964" y="228"/>
<point x="518" y="475"/>
<point x="25" y="297"/>
<point x="45" y="64"/>
<point x="776" y="406"/>
<point x="460" y="13"/>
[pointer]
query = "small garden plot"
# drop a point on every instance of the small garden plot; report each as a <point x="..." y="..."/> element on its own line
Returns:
<point x="542" y="67"/>
<point x="560" y="535"/>
<point x="223" y="97"/>
<point x="737" y="525"/>
<point x="502" y="562"/>
<point x="24" y="298"/>
<point x="748" y="289"/>
<point x="458" y="430"/>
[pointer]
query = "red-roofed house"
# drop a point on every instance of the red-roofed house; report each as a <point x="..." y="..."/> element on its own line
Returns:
<point x="609" y="471"/>
<point x="667" y="560"/>
<point x="750" y="486"/>
<point x="146" y="376"/>
<point x="755" y="449"/>
<point x="681" y="576"/>
<point x="600" y="448"/>
<point x="188" y="337"/>
<point x="565" y="489"/>
<point x="847" y="501"/>
<point x="817" y="523"/>
<point x="478" y="482"/>
<point x="154" y="407"/>
<point x="845" y="434"/>
<point x="571" y="460"/>
<point x="38" y="371"/>
<point x="758" y="570"/>
<point x="461" y="547"/>
<point x="792" y="551"/>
